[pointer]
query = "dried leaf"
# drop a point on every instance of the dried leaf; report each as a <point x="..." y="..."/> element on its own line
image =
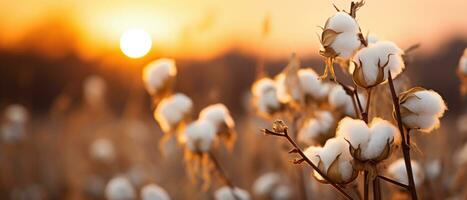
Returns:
<point x="328" y="36"/>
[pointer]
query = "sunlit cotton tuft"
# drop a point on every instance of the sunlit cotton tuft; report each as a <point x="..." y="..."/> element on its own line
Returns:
<point x="219" y="116"/>
<point x="172" y="111"/>
<point x="340" y="36"/>
<point x="311" y="85"/>
<point x="397" y="170"/>
<point x="158" y="76"/>
<point x="226" y="193"/>
<point x="119" y="188"/>
<point x="154" y="192"/>
<point x="340" y="100"/>
<point x="265" y="96"/>
<point x="199" y="136"/>
<point x="317" y="130"/>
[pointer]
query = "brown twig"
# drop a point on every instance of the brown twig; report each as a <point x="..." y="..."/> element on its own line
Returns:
<point x="351" y="92"/>
<point x="223" y="174"/>
<point x="365" y="185"/>
<point x="393" y="181"/>
<point x="405" y="145"/>
<point x="306" y="159"/>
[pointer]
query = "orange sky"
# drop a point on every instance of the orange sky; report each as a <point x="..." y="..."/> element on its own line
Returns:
<point x="205" y="28"/>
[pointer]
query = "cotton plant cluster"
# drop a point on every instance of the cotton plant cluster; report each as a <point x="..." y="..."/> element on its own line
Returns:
<point x="227" y="193"/>
<point x="174" y="113"/>
<point x="13" y="128"/>
<point x="369" y="142"/>
<point x="421" y="109"/>
<point x="272" y="186"/>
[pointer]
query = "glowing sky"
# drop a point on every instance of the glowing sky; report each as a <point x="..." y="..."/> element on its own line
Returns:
<point x="204" y="28"/>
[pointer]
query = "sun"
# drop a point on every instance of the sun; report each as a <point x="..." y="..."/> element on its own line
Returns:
<point x="135" y="43"/>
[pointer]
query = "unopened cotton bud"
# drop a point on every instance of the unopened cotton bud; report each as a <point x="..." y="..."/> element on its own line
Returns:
<point x="154" y="192"/>
<point x="372" y="142"/>
<point x="199" y="136"/>
<point x="94" y="88"/>
<point x="421" y="109"/>
<point x="317" y="130"/>
<point x="265" y="97"/>
<point x="159" y="75"/>
<point x="279" y="126"/>
<point x="341" y="101"/>
<point x="226" y="193"/>
<point x="102" y="150"/>
<point x="340" y="36"/>
<point x="119" y="188"/>
<point x="172" y="111"/>
<point x="373" y="63"/>
<point x="398" y="171"/>
<point x="334" y="160"/>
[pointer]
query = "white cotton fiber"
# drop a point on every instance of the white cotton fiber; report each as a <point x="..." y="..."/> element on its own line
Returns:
<point x="266" y="183"/>
<point x="286" y="93"/>
<point x="433" y="169"/>
<point x="342" y="22"/>
<point x="463" y="63"/>
<point x="225" y="193"/>
<point x="200" y="135"/>
<point x="265" y="94"/>
<point x="340" y="100"/>
<point x="218" y="114"/>
<point x="172" y="110"/>
<point x="461" y="155"/>
<point x="398" y="171"/>
<point x="16" y="113"/>
<point x="119" y="188"/>
<point x="312" y="85"/>
<point x="345" y="44"/>
<point x="156" y="73"/>
<point x="154" y="192"/>
<point x="315" y="127"/>
<point x="103" y="150"/>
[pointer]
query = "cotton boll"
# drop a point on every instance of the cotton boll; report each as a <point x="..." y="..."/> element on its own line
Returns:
<point x="265" y="96"/>
<point x="171" y="111"/>
<point x="421" y="109"/>
<point x="218" y="114"/>
<point x="345" y="44"/>
<point x="312" y="86"/>
<point x="154" y="192"/>
<point x="461" y="155"/>
<point x="317" y="130"/>
<point x="340" y="36"/>
<point x="14" y="128"/>
<point x="266" y="183"/>
<point x="282" y="192"/>
<point x="94" y="88"/>
<point x="119" y="188"/>
<point x="341" y="170"/>
<point x="16" y="113"/>
<point x="375" y="61"/>
<point x="226" y="193"/>
<point x="398" y="171"/>
<point x="200" y="135"/>
<point x="102" y="150"/>
<point x="340" y="100"/>
<point x="159" y="75"/>
<point x="285" y="93"/>
<point x="373" y="142"/>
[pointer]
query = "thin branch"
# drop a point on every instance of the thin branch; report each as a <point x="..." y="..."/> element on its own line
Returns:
<point x="393" y="181"/>
<point x="223" y="175"/>
<point x="351" y="91"/>
<point x="365" y="185"/>
<point x="405" y="145"/>
<point x="306" y="159"/>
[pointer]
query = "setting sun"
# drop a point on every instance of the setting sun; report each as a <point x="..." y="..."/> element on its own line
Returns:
<point x="135" y="43"/>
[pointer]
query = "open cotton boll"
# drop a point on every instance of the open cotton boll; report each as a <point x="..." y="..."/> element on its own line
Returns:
<point x="226" y="193"/>
<point x="282" y="192"/>
<point x="421" y="109"/>
<point x="373" y="142"/>
<point x="342" y="22"/>
<point x="119" y="188"/>
<point x="335" y="148"/>
<point x="317" y="130"/>
<point x="172" y="110"/>
<point x="14" y="128"/>
<point x="433" y="169"/>
<point x="266" y="183"/>
<point x="200" y="135"/>
<point x="340" y="36"/>
<point x="398" y="171"/>
<point x="102" y="150"/>
<point x="340" y="100"/>
<point x="375" y="61"/>
<point x="154" y="192"/>
<point x="158" y="74"/>
<point x="94" y="88"/>
<point x="265" y="96"/>
<point x="218" y="114"/>
<point x="285" y="93"/>
<point x="311" y="85"/>
<point x="346" y="44"/>
<point x="16" y="113"/>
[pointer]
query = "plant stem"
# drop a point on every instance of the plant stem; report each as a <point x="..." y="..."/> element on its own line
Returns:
<point x="365" y="185"/>
<point x="223" y="175"/>
<point x="306" y="159"/>
<point x="376" y="189"/>
<point x="405" y="145"/>
<point x="393" y="181"/>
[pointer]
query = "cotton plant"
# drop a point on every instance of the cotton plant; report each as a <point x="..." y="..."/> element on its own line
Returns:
<point x="265" y="98"/>
<point x="13" y="128"/>
<point x="421" y="109"/>
<point x="318" y="129"/>
<point x="102" y="150"/>
<point x="120" y="188"/>
<point x="159" y="77"/>
<point x="227" y="193"/>
<point x="271" y="186"/>
<point x="334" y="160"/>
<point x="224" y="125"/>
<point x="153" y="192"/>
<point x="289" y="89"/>
<point x="372" y="142"/>
<point x="341" y="37"/>
<point x="340" y="101"/>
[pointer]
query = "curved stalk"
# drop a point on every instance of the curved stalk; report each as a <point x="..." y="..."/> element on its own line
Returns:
<point x="223" y="175"/>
